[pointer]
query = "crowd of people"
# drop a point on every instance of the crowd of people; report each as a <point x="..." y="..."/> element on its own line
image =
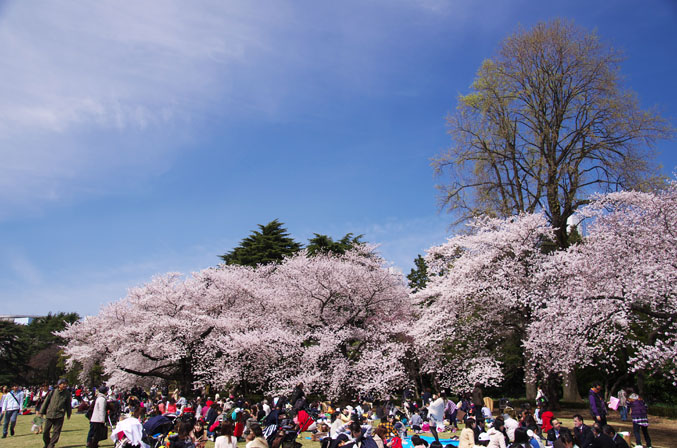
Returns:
<point x="276" y="422"/>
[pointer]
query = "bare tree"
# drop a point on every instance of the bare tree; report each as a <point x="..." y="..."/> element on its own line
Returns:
<point x="546" y="122"/>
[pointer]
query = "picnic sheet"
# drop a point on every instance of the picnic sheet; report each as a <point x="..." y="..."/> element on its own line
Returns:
<point x="406" y="443"/>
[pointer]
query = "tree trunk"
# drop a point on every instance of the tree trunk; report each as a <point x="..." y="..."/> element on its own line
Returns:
<point x="531" y="390"/>
<point x="551" y="390"/>
<point x="641" y="387"/>
<point x="570" y="388"/>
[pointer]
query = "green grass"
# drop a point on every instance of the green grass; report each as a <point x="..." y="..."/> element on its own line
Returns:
<point x="73" y="434"/>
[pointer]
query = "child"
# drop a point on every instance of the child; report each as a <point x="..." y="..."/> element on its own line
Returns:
<point x="416" y="422"/>
<point x="640" y="419"/>
<point x="37" y="425"/>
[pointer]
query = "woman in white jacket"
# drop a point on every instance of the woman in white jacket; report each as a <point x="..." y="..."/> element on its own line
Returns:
<point x="97" y="423"/>
<point x="496" y="436"/>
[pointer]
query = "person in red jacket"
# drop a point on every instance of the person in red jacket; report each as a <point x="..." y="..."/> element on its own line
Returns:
<point x="546" y="417"/>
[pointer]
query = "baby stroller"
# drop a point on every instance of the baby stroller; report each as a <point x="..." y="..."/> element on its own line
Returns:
<point x="156" y="430"/>
<point x="284" y="436"/>
<point x="128" y="433"/>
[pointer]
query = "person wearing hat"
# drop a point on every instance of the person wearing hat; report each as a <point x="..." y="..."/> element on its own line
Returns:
<point x="97" y="423"/>
<point x="56" y="406"/>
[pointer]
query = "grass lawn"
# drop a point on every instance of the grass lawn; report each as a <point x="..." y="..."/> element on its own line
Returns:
<point x="663" y="432"/>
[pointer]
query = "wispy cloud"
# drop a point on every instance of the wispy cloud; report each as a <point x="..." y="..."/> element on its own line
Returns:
<point x="22" y="268"/>
<point x="93" y="91"/>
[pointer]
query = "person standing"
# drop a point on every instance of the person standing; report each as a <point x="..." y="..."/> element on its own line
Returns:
<point x="56" y="406"/>
<point x="11" y="405"/>
<point x="436" y="415"/>
<point x="97" y="423"/>
<point x="640" y="418"/>
<point x="623" y="404"/>
<point x="478" y="400"/>
<point x="597" y="406"/>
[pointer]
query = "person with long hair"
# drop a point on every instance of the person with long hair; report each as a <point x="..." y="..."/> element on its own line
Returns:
<point x="467" y="437"/>
<point x="226" y="439"/>
<point x="255" y="437"/>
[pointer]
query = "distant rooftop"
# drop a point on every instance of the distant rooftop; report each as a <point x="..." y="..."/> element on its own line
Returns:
<point x="23" y="319"/>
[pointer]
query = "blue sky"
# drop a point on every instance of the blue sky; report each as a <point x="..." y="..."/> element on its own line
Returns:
<point x="143" y="137"/>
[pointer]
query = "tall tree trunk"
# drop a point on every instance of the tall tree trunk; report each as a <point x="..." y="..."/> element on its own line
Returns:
<point x="641" y="387"/>
<point x="551" y="389"/>
<point x="570" y="388"/>
<point x="531" y="390"/>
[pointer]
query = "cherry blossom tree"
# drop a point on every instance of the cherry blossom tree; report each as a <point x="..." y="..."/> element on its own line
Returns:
<point x="618" y="289"/>
<point x="335" y="322"/>
<point x="478" y="295"/>
<point x="153" y="333"/>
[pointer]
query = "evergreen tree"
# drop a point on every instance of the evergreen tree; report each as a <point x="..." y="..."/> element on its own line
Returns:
<point x="13" y="351"/>
<point x="418" y="277"/>
<point x="323" y="244"/>
<point x="270" y="244"/>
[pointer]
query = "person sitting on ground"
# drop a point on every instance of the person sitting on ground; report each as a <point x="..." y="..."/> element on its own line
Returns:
<point x="321" y="433"/>
<point x="582" y="432"/>
<point x="467" y="437"/>
<point x="389" y="426"/>
<point x="184" y="438"/>
<point x="496" y="435"/>
<point x="486" y="413"/>
<point x="601" y="440"/>
<point x="619" y="441"/>
<point x="522" y="439"/>
<point x="479" y="427"/>
<point x="510" y="423"/>
<point x="336" y="424"/>
<point x="418" y="442"/>
<point x="416" y="422"/>
<point x="199" y="434"/>
<point x="226" y="439"/>
<point x="566" y="439"/>
<point x="255" y="438"/>
<point x="546" y="418"/>
<point x="380" y="437"/>
<point x="170" y="407"/>
<point x="534" y="440"/>
<point x="554" y="432"/>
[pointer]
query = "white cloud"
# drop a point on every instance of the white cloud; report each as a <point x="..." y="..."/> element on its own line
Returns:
<point x="23" y="268"/>
<point x="96" y="90"/>
<point x="101" y="90"/>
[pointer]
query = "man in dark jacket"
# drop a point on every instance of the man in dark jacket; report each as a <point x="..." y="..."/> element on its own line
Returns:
<point x="582" y="432"/>
<point x="56" y="406"/>
<point x="600" y="439"/>
<point x="597" y="406"/>
<point x="618" y="440"/>
<point x="553" y="433"/>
